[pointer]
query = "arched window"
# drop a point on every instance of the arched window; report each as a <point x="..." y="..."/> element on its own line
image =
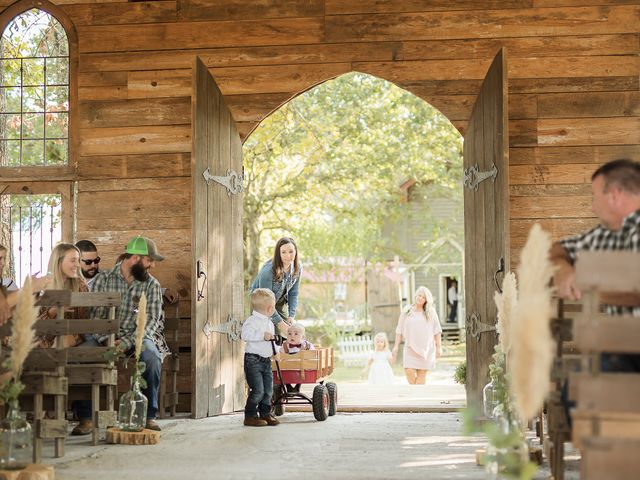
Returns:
<point x="34" y="91"/>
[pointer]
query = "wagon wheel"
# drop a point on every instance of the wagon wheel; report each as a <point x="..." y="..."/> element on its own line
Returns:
<point x="320" y="402"/>
<point x="333" y="398"/>
<point x="278" y="408"/>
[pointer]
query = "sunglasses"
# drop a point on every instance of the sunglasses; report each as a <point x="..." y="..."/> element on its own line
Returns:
<point x="89" y="262"/>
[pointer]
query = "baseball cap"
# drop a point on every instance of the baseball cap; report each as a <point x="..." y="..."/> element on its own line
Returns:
<point x="143" y="246"/>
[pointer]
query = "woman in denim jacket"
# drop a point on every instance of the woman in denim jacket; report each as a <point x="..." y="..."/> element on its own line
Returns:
<point x="281" y="275"/>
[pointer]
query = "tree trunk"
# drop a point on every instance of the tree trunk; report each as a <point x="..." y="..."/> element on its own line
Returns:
<point x="252" y="248"/>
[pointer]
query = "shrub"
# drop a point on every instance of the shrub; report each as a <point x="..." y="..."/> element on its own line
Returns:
<point x="460" y="375"/>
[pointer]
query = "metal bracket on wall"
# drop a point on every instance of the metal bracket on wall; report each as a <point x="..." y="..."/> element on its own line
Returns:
<point x="475" y="327"/>
<point x="232" y="328"/>
<point x="232" y="182"/>
<point x="473" y="176"/>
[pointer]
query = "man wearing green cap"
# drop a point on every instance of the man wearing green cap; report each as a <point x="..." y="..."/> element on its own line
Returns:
<point x="130" y="277"/>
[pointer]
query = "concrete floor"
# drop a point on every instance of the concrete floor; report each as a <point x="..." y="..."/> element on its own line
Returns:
<point x="346" y="446"/>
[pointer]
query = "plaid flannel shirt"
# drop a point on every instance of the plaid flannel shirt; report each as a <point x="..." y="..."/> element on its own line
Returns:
<point x="126" y="314"/>
<point x="601" y="238"/>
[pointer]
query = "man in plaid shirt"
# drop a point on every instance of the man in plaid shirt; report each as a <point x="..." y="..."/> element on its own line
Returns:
<point x="616" y="201"/>
<point x="130" y="277"/>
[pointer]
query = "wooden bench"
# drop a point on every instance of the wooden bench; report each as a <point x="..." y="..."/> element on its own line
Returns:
<point x="91" y="368"/>
<point x="565" y="361"/>
<point x="168" y="391"/>
<point x="606" y="420"/>
<point x="45" y="373"/>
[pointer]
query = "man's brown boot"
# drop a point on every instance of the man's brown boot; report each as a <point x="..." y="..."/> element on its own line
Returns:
<point x="255" y="422"/>
<point x="271" y="420"/>
<point x="85" y="427"/>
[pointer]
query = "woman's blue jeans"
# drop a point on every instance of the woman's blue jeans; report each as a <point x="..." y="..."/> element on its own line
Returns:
<point x="257" y="371"/>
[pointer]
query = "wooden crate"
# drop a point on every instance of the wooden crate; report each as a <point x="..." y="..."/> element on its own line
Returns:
<point x="306" y="366"/>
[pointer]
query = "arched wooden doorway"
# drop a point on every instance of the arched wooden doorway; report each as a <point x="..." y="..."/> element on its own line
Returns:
<point x="217" y="238"/>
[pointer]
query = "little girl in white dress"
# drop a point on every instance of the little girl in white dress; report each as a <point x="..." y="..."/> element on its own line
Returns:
<point x="380" y="371"/>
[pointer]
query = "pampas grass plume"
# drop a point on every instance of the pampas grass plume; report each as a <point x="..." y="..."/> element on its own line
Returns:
<point x="141" y="323"/>
<point x="532" y="352"/>
<point x="22" y="332"/>
<point x="506" y="303"/>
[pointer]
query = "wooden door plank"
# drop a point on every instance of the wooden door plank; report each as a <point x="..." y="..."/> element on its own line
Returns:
<point x="201" y="370"/>
<point x="486" y="217"/>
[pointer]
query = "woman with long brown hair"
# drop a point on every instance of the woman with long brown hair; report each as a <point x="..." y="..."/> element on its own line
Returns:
<point x="281" y="275"/>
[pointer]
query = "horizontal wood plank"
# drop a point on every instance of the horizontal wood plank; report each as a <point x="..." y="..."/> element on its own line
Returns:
<point x="532" y="22"/>
<point x="253" y="108"/>
<point x="275" y="79"/>
<point x="529" y="67"/>
<point x="611" y="272"/>
<point x="125" y="185"/>
<point x="171" y="36"/>
<point x="148" y="204"/>
<point x="617" y="453"/>
<point x="163" y="83"/>
<point x="575" y="173"/>
<point x="589" y="104"/>
<point x="594" y="154"/>
<point x="560" y="46"/>
<point x="86" y="13"/>
<point x="242" y="10"/>
<point x="130" y="113"/>
<point x="114" y="92"/>
<point x="240" y="56"/>
<point x="343" y="7"/>
<point x="610" y="392"/>
<point x="134" y="166"/>
<point x="601" y="131"/>
<point x="574" y="84"/>
<point x="135" y="140"/>
<point x="551" y="190"/>
<point x="179" y="220"/>
<point x="558" y="228"/>
<point x="551" y="207"/>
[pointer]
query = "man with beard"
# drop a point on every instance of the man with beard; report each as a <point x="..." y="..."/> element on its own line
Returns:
<point x="89" y="260"/>
<point x="130" y="277"/>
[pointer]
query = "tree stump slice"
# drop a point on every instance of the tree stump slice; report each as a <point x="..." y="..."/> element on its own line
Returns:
<point x="145" y="437"/>
<point x="33" y="471"/>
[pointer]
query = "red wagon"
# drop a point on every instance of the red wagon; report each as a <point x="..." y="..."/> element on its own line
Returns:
<point x="307" y="366"/>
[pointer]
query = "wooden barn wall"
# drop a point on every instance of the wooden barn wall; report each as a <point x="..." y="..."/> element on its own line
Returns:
<point x="573" y="76"/>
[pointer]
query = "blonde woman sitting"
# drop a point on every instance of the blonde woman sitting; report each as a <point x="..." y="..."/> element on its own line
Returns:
<point x="64" y="274"/>
<point x="419" y="328"/>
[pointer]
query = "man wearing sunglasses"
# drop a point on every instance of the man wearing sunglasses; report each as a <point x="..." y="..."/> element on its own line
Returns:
<point x="89" y="260"/>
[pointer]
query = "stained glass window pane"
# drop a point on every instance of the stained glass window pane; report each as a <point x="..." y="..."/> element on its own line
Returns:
<point x="10" y="126"/>
<point x="34" y="91"/>
<point x="57" y="71"/>
<point x="32" y="152"/>
<point x="10" y="73"/>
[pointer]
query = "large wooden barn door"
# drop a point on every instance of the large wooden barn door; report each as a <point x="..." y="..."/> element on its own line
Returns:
<point x="217" y="310"/>
<point x="486" y="217"/>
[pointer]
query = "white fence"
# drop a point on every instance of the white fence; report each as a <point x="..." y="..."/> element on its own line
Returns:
<point x="355" y="350"/>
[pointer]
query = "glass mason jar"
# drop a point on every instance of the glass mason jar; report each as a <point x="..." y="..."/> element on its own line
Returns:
<point x="132" y="413"/>
<point x="489" y="400"/>
<point x="16" y="439"/>
<point x="507" y="461"/>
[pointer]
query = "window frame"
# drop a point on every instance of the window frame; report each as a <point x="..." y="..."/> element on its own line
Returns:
<point x="62" y="172"/>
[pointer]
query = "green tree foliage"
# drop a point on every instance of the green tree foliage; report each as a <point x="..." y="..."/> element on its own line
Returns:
<point x="326" y="168"/>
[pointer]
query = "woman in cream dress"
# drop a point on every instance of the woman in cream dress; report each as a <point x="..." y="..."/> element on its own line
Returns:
<point x="419" y="328"/>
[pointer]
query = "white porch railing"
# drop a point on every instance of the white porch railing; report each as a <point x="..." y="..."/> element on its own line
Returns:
<point x="355" y="350"/>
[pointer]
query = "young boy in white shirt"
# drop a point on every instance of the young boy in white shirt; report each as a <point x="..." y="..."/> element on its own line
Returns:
<point x="257" y="331"/>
